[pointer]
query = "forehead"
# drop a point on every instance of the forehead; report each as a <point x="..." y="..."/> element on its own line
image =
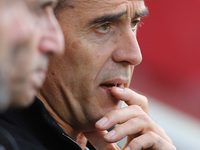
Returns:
<point x="100" y="3"/>
<point x="8" y="8"/>
<point x="7" y="3"/>
<point x="103" y="2"/>
<point x="100" y="7"/>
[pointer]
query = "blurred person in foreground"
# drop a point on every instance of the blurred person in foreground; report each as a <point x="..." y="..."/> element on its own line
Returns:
<point x="14" y="38"/>
<point x="29" y="32"/>
<point x="81" y="98"/>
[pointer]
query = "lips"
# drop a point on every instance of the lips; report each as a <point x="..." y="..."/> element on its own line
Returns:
<point x="37" y="78"/>
<point x="114" y="83"/>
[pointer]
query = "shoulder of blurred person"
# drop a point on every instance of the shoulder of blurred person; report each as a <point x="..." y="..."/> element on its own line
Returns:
<point x="32" y="128"/>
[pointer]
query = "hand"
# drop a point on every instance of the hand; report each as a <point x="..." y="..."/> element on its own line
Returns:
<point x="141" y="131"/>
<point x="97" y="140"/>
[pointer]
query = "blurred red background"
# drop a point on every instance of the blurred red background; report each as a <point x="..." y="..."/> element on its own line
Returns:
<point x="170" y="44"/>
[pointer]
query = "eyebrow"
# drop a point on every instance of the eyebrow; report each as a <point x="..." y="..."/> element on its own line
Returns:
<point x="142" y="13"/>
<point x="108" y="18"/>
<point x="47" y="3"/>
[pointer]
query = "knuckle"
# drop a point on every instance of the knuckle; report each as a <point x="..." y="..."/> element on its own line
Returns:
<point x="152" y="135"/>
<point x="135" y="144"/>
<point x="146" y="119"/>
<point x="137" y="141"/>
<point x="144" y="103"/>
<point x="132" y="121"/>
<point x="156" y="138"/>
<point x="145" y="100"/>
<point x="137" y="108"/>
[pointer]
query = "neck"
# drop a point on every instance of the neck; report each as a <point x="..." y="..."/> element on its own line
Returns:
<point x="75" y="134"/>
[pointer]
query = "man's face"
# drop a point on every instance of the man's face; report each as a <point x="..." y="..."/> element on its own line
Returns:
<point x="49" y="39"/>
<point x="16" y="47"/>
<point x="31" y="34"/>
<point x="101" y="52"/>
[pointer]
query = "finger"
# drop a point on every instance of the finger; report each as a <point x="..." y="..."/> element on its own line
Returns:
<point x="131" y="128"/>
<point x="130" y="97"/>
<point x="150" y="140"/>
<point x="134" y="127"/>
<point x="97" y="140"/>
<point x="119" y="116"/>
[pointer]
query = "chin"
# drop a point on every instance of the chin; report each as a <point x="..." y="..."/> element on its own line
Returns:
<point x="29" y="98"/>
<point x="21" y="103"/>
<point x="23" y="100"/>
<point x="98" y="113"/>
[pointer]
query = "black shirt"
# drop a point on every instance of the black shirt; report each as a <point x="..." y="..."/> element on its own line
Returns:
<point x="33" y="128"/>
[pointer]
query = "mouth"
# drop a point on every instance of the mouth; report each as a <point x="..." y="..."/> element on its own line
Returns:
<point x="105" y="89"/>
<point x="38" y="78"/>
<point x="114" y="83"/>
<point x="42" y="74"/>
<point x="109" y="86"/>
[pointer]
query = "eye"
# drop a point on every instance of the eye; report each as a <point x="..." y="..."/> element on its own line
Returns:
<point x="134" y="24"/>
<point x="104" y="28"/>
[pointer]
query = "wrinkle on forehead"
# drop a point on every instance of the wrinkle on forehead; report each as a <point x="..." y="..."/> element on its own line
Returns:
<point x="104" y="4"/>
<point x="91" y="4"/>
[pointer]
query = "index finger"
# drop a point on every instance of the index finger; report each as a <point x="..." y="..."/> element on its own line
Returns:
<point x="130" y="97"/>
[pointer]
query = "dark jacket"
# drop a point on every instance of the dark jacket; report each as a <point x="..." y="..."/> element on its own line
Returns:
<point x="33" y="128"/>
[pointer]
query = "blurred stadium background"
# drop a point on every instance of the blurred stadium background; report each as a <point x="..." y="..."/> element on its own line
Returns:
<point x="169" y="74"/>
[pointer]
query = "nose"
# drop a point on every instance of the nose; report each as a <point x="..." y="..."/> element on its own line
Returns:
<point x="52" y="40"/>
<point x="127" y="49"/>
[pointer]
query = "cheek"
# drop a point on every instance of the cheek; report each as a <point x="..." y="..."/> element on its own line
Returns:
<point x="81" y="53"/>
<point x="77" y="64"/>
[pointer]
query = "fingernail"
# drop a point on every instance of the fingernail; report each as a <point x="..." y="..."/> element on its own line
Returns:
<point x="110" y="134"/>
<point x="127" y="148"/>
<point x="102" y="121"/>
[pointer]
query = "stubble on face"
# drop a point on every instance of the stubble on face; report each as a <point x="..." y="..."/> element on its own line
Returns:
<point x="87" y="62"/>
